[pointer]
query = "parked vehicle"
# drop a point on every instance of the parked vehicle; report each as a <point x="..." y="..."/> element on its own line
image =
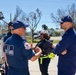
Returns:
<point x="36" y="36"/>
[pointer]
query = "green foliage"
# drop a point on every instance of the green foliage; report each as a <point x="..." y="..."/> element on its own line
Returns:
<point x="55" y="41"/>
<point x="44" y="27"/>
<point x="37" y="40"/>
<point x="29" y="40"/>
<point x="57" y="33"/>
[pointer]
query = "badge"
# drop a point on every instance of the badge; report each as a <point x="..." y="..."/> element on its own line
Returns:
<point x="9" y="49"/>
<point x="27" y="46"/>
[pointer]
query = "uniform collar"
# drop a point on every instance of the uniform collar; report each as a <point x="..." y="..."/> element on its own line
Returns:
<point x="16" y="35"/>
<point x="69" y="31"/>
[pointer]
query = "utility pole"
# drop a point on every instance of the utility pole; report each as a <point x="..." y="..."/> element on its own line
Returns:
<point x="10" y="17"/>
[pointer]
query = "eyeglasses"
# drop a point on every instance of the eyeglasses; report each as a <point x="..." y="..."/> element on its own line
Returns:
<point x="61" y="23"/>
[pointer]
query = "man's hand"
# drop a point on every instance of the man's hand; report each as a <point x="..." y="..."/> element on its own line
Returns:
<point x="38" y="52"/>
<point x="37" y="49"/>
<point x="64" y="52"/>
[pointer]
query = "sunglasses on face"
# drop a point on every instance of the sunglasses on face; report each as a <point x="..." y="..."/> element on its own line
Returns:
<point x="61" y="23"/>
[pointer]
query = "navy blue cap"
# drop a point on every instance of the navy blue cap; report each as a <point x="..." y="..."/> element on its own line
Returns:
<point x="19" y="24"/>
<point x="66" y="19"/>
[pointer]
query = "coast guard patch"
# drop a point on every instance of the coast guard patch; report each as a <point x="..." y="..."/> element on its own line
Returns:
<point x="27" y="46"/>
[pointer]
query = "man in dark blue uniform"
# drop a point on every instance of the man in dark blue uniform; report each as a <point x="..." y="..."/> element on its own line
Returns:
<point x="66" y="48"/>
<point x="18" y="51"/>
<point x="10" y="31"/>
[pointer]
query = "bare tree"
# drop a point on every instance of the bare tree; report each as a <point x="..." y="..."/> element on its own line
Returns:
<point x="70" y="10"/>
<point x="33" y="20"/>
<point x="17" y="14"/>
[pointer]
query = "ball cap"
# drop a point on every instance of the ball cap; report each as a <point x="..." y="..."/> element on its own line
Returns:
<point x="66" y="19"/>
<point x="19" y="24"/>
<point x="44" y="32"/>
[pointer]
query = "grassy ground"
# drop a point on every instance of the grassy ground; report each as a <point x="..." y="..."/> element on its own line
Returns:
<point x="36" y="40"/>
<point x="55" y="41"/>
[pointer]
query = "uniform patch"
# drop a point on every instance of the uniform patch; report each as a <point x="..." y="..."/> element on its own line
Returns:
<point x="9" y="49"/>
<point x="27" y="46"/>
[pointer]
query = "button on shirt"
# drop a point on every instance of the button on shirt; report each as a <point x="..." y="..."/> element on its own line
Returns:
<point x="18" y="52"/>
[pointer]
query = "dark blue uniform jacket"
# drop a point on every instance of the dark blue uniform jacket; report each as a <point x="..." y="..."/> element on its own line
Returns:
<point x="18" y="52"/>
<point x="68" y="42"/>
<point x="45" y="45"/>
<point x="7" y="36"/>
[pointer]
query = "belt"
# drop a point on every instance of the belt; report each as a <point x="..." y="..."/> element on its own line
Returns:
<point x="51" y="56"/>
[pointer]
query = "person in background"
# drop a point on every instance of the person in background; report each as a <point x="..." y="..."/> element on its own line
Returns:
<point x="10" y="31"/>
<point x="46" y="46"/>
<point x="66" y="48"/>
<point x="18" y="51"/>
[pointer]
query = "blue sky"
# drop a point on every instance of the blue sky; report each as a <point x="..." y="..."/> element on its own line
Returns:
<point x="46" y="6"/>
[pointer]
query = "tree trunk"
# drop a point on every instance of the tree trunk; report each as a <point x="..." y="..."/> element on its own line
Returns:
<point x="32" y="35"/>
